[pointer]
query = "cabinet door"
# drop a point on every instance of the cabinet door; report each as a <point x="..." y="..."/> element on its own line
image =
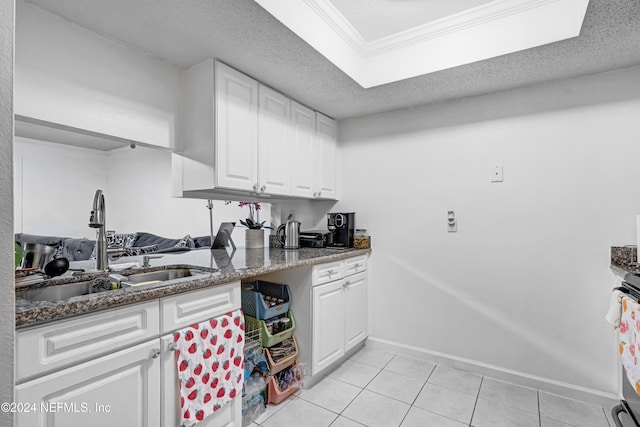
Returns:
<point x="230" y="415"/>
<point x="328" y="325"/>
<point x="303" y="161"/>
<point x="274" y="154"/>
<point x="355" y="314"/>
<point x="325" y="156"/>
<point x="236" y="129"/>
<point x="120" y="389"/>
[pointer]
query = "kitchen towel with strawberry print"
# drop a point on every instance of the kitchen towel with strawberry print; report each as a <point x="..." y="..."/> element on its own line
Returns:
<point x="210" y="363"/>
<point x="630" y="341"/>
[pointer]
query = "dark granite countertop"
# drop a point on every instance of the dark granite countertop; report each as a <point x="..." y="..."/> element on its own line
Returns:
<point x="624" y="260"/>
<point x="219" y="265"/>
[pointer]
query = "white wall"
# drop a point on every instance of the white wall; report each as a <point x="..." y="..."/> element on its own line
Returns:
<point x="140" y="196"/>
<point x="7" y="302"/>
<point x="54" y="187"/>
<point x="525" y="282"/>
<point x="70" y="76"/>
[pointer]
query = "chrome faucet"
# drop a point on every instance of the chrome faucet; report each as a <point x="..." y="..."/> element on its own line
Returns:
<point x="97" y="220"/>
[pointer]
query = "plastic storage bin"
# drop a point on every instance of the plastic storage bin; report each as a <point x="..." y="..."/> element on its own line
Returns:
<point x="267" y="339"/>
<point x="254" y="300"/>
<point x="277" y="364"/>
<point x="275" y="394"/>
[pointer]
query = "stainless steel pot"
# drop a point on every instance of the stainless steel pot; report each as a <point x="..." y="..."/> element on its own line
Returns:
<point x="36" y="256"/>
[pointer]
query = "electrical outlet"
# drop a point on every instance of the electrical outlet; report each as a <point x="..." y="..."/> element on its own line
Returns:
<point x="452" y="223"/>
<point x="496" y="173"/>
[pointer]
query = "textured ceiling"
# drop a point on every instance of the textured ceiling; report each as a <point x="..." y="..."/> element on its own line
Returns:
<point x="245" y="36"/>
<point x="375" y="19"/>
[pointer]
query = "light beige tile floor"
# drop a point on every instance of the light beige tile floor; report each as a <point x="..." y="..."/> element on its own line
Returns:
<point x="380" y="388"/>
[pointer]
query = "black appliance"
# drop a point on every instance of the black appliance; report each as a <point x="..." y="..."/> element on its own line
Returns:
<point x="341" y="227"/>
<point x="313" y="239"/>
<point x="627" y="413"/>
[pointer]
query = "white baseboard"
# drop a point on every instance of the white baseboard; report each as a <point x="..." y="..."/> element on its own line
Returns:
<point x="606" y="400"/>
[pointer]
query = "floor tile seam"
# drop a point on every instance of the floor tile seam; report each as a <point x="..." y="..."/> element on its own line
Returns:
<point x="518" y="408"/>
<point x="454" y="389"/>
<point x="350" y="419"/>
<point x="402" y="374"/>
<point x="539" y="412"/>
<point x="440" y="415"/>
<point x="321" y="407"/>
<point x="422" y="388"/>
<point x="279" y="406"/>
<point x="389" y="397"/>
<point x="476" y="393"/>
<point x="347" y="382"/>
<point x="475" y="404"/>
<point x="370" y="364"/>
<point x="345" y="408"/>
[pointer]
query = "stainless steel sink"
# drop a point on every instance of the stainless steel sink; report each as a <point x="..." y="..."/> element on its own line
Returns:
<point x="63" y="292"/>
<point x="103" y="284"/>
<point x="138" y="279"/>
<point x="160" y="275"/>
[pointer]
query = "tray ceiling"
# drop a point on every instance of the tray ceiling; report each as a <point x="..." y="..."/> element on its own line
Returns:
<point x="375" y="19"/>
<point x="384" y="44"/>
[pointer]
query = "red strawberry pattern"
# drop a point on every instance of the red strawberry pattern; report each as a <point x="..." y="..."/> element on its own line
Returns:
<point x="209" y="361"/>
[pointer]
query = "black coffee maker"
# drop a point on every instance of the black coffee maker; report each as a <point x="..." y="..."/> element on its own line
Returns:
<point x="341" y="227"/>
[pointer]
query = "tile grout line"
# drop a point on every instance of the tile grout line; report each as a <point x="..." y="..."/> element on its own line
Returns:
<point x="475" y="404"/>
<point x="539" y="412"/>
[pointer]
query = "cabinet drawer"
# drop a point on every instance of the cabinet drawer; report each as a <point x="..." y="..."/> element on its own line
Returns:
<point x="355" y="265"/>
<point x="325" y="273"/>
<point x="193" y="307"/>
<point x="47" y="348"/>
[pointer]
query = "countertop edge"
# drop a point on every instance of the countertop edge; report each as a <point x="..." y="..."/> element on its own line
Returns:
<point x="47" y="312"/>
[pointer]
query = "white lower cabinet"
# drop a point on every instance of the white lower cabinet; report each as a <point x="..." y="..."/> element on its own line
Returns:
<point x="120" y="389"/>
<point x="355" y="313"/>
<point x="339" y="317"/>
<point x="328" y="324"/>
<point x="73" y="382"/>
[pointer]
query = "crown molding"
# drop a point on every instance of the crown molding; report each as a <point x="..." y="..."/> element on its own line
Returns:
<point x="493" y="29"/>
<point x="476" y="16"/>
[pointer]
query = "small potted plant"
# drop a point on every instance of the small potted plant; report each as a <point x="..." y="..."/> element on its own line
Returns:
<point x="254" y="236"/>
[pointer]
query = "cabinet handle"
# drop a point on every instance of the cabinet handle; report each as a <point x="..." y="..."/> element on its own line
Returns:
<point x="263" y="188"/>
<point x="155" y="353"/>
<point x="172" y="346"/>
<point x="255" y="187"/>
<point x="319" y="193"/>
<point x="315" y="194"/>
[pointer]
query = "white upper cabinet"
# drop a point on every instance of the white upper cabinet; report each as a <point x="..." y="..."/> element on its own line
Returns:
<point x="303" y="123"/>
<point x="236" y="128"/>
<point x="325" y="155"/>
<point x="244" y="138"/>
<point x="274" y="144"/>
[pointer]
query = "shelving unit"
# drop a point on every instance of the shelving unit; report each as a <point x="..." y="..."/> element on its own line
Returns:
<point x="267" y="310"/>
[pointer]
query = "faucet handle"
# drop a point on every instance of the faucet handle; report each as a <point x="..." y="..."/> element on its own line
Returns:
<point x="146" y="258"/>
